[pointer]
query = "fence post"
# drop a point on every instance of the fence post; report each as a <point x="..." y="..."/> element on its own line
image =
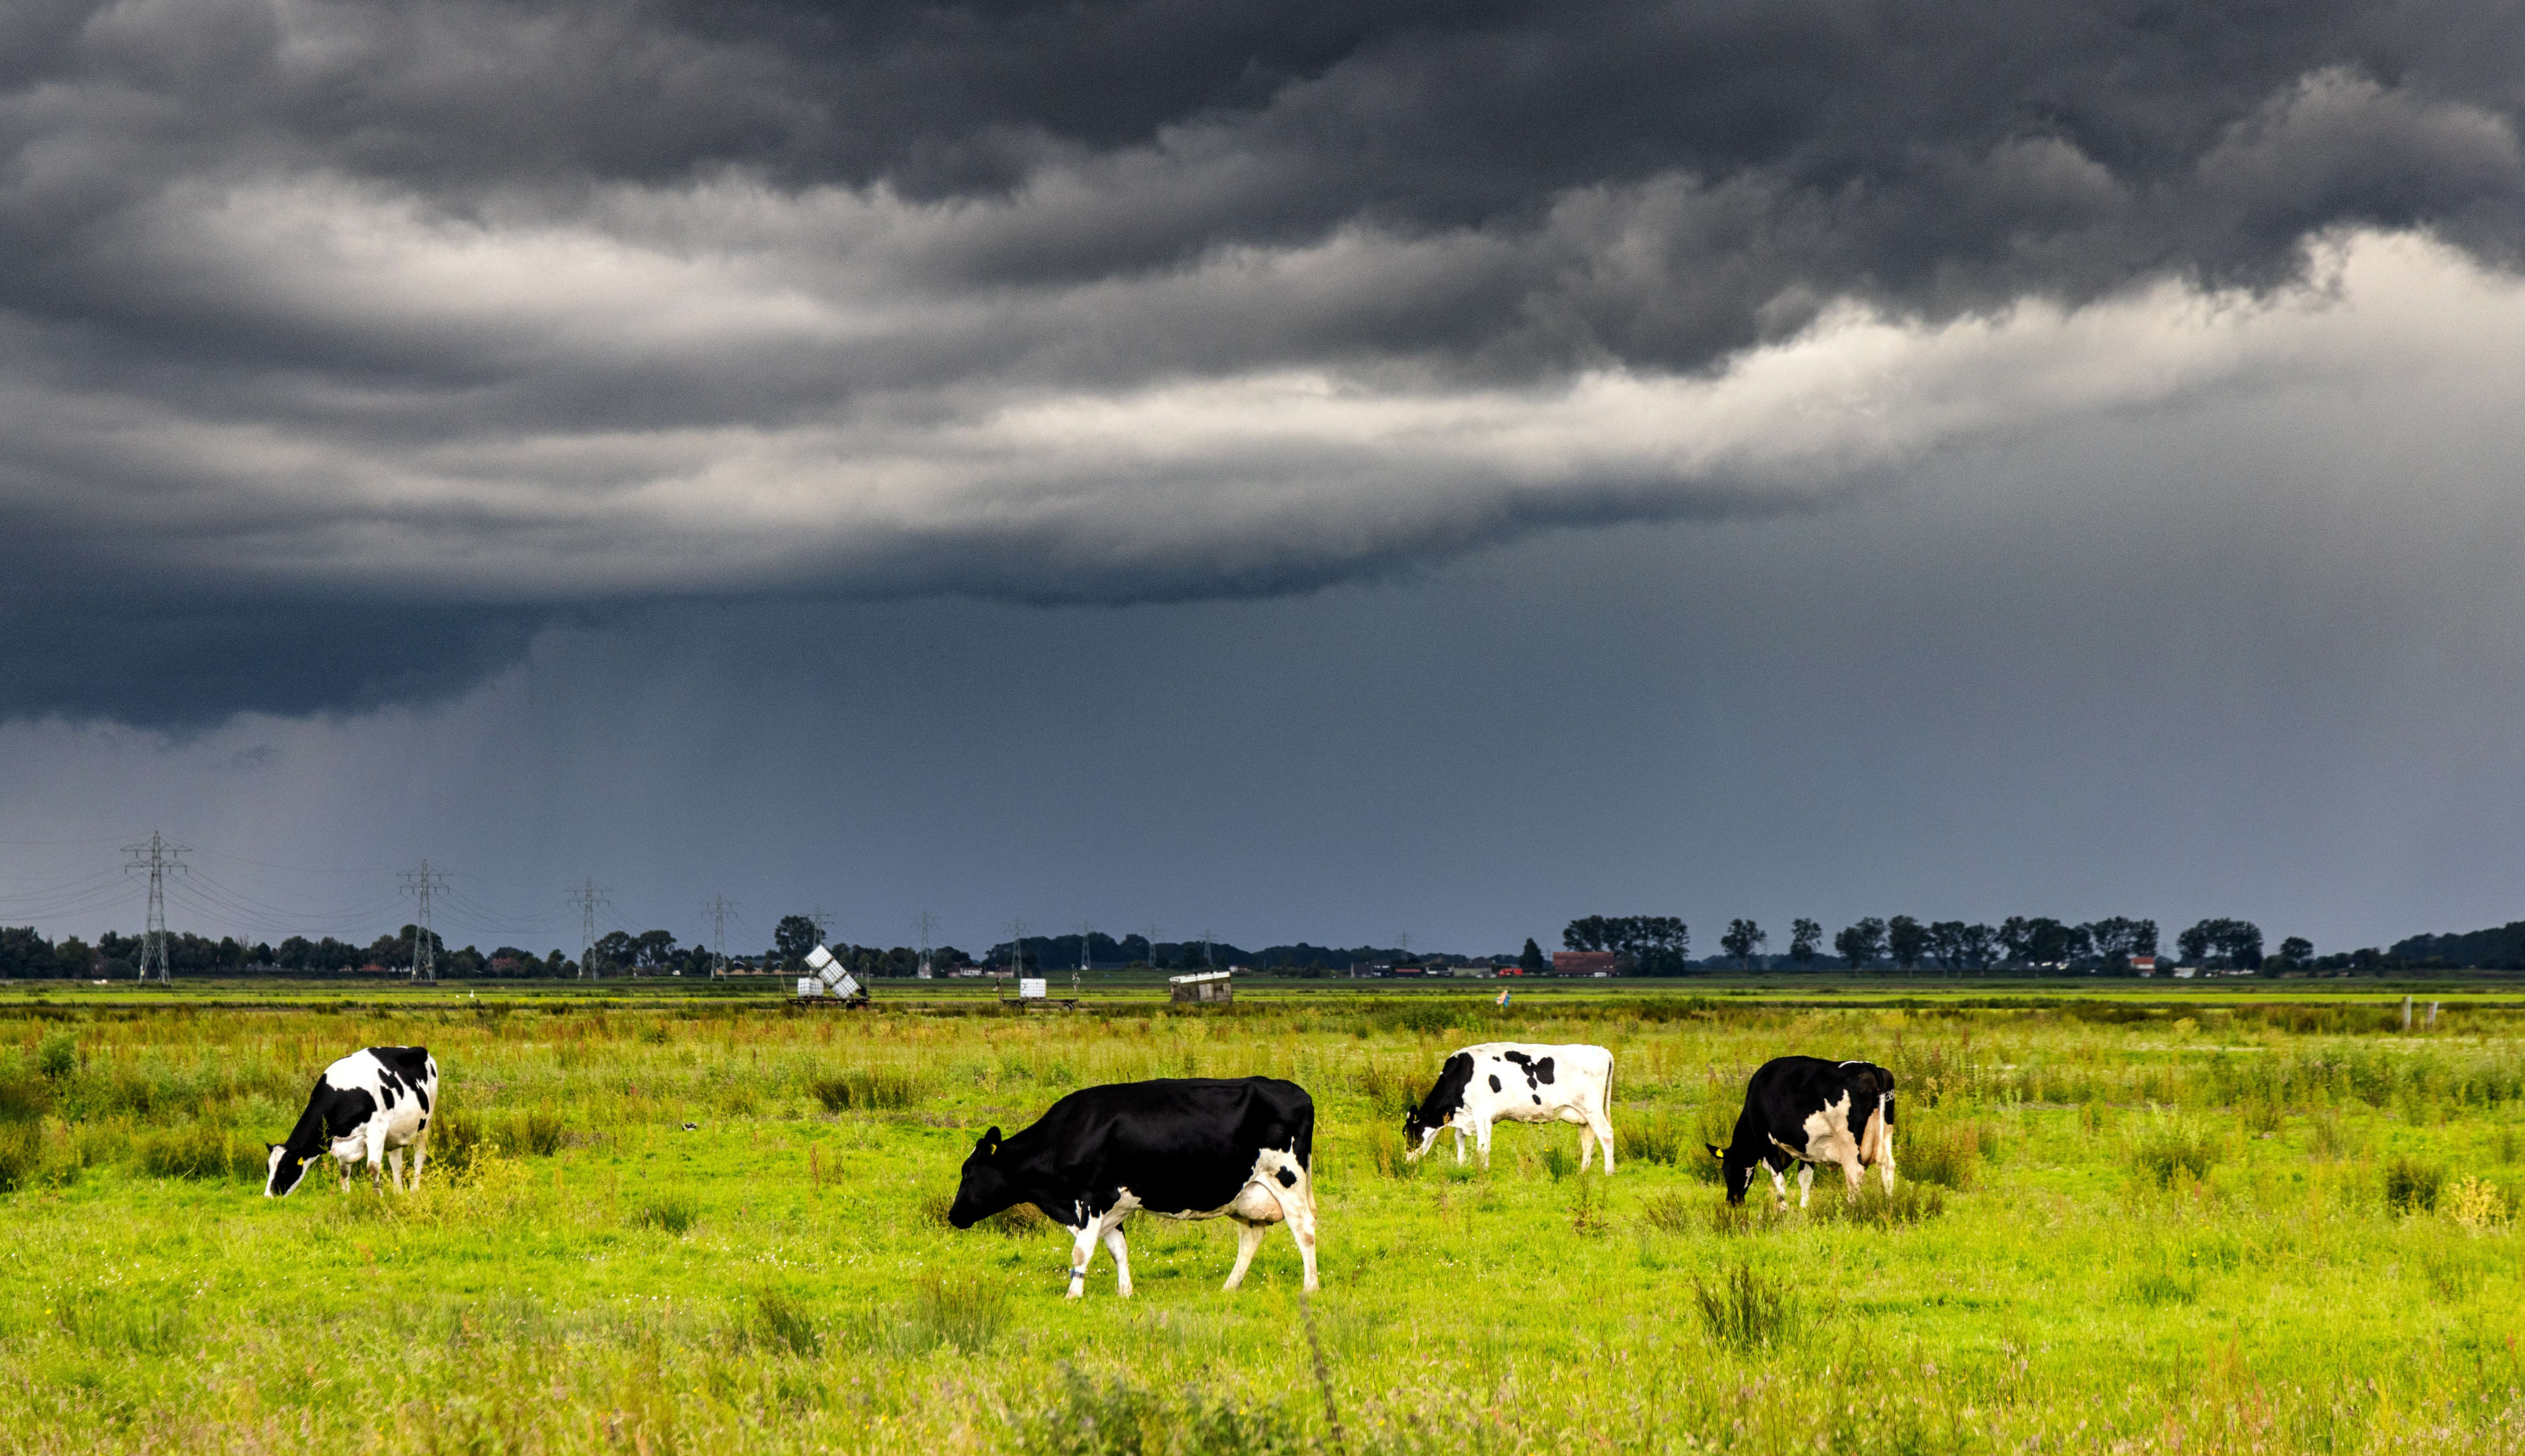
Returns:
<point x="2407" y="1013"/>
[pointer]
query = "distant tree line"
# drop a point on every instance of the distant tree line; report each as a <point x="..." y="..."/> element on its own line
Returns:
<point x="1661" y="946"/>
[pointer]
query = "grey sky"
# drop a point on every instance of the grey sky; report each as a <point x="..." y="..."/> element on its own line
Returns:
<point x="1318" y="471"/>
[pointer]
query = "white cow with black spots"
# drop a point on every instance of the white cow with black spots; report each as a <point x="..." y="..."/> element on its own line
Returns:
<point x="366" y="1109"/>
<point x="1517" y="1081"/>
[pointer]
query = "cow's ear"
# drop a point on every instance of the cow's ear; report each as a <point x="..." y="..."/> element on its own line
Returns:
<point x="990" y="1143"/>
<point x="1716" y="1151"/>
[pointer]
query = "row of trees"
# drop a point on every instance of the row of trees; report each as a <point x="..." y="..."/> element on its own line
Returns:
<point x="1660" y="945"/>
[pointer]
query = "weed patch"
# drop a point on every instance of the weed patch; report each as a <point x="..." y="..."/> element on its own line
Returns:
<point x="1120" y="1417"/>
<point x="1949" y="1156"/>
<point x="965" y="1312"/>
<point x="2412" y="1186"/>
<point x="2171" y="1152"/>
<point x="865" y="1090"/>
<point x="669" y="1213"/>
<point x="1746" y="1309"/>
<point x="1670" y="1213"/>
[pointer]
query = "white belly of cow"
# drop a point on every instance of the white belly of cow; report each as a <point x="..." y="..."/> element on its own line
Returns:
<point x="1253" y="1203"/>
<point x="400" y="1123"/>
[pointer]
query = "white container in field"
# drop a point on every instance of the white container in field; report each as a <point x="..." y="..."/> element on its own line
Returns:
<point x="1031" y="988"/>
<point x="810" y="986"/>
<point x="818" y="958"/>
<point x="846" y="987"/>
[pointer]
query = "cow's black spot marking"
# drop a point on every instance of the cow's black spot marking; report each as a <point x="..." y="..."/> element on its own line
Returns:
<point x="1543" y="1069"/>
<point x="1288" y="1180"/>
<point x="1495" y="1082"/>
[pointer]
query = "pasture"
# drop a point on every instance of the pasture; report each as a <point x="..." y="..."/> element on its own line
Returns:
<point x="2120" y="1226"/>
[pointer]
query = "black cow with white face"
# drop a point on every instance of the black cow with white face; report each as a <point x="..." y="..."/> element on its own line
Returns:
<point x="1193" y="1148"/>
<point x="367" y="1107"/>
<point x="1807" y="1110"/>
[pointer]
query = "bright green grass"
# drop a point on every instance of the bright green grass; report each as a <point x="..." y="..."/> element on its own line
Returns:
<point x="2173" y="1233"/>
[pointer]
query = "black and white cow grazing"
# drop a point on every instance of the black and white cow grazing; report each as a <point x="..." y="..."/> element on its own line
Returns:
<point x="1193" y="1148"/>
<point x="366" y="1107"/>
<point x="1516" y="1082"/>
<point x="1807" y="1110"/>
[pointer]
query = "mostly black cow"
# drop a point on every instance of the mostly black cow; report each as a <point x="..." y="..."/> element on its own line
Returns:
<point x="366" y="1107"/>
<point x="1517" y="1081"/>
<point x="1807" y="1110"/>
<point x="1194" y="1147"/>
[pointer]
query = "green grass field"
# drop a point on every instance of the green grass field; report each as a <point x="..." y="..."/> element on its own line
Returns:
<point x="2178" y="1225"/>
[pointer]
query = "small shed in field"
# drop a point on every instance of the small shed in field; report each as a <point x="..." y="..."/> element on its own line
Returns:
<point x="1201" y="986"/>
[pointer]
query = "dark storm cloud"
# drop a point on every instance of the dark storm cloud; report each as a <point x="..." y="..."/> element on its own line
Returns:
<point x="472" y="305"/>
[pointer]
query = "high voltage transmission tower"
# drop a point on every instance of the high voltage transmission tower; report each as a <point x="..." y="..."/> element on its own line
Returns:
<point x="585" y="899"/>
<point x="157" y="856"/>
<point x="927" y="923"/>
<point x="419" y="883"/>
<point x="1085" y="928"/>
<point x="719" y="907"/>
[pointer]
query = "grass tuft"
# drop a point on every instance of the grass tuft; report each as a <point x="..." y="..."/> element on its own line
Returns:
<point x="669" y="1213"/>
<point x="1909" y="1203"/>
<point x="2172" y="1152"/>
<point x="1120" y="1417"/>
<point x="1949" y="1156"/>
<point x="1746" y="1309"/>
<point x="2412" y="1187"/>
<point x="784" y="1324"/>
<point x="964" y="1312"/>
<point x="865" y="1089"/>
<point x="1670" y="1212"/>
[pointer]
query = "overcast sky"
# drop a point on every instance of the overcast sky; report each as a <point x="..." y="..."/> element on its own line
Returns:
<point x="1290" y="471"/>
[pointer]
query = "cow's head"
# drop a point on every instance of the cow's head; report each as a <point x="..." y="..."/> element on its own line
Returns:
<point x="984" y="1189"/>
<point x="1437" y="1111"/>
<point x="1737" y="1175"/>
<point x="281" y="1170"/>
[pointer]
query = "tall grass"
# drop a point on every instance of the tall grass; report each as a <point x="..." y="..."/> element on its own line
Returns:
<point x="1746" y="1308"/>
<point x="865" y="1089"/>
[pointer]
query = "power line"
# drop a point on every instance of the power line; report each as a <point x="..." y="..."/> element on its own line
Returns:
<point x="418" y="884"/>
<point x="158" y="856"/>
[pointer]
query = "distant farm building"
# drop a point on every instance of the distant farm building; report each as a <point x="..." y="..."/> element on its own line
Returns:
<point x="1201" y="986"/>
<point x="1584" y="962"/>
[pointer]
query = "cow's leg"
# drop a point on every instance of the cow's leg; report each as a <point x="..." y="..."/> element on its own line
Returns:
<point x="1121" y="1258"/>
<point x="1604" y="1127"/>
<point x="1779" y="1186"/>
<point x="420" y="1155"/>
<point x="1249" y="1238"/>
<point x="1298" y="1210"/>
<point x="377" y="1154"/>
<point x="1586" y="1147"/>
<point x="394" y="1168"/>
<point x="1852" y="1169"/>
<point x="1885" y="1158"/>
<point x="1460" y="1147"/>
<point x="1082" y="1247"/>
<point x="1806" y="1181"/>
<point x="1482" y="1140"/>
